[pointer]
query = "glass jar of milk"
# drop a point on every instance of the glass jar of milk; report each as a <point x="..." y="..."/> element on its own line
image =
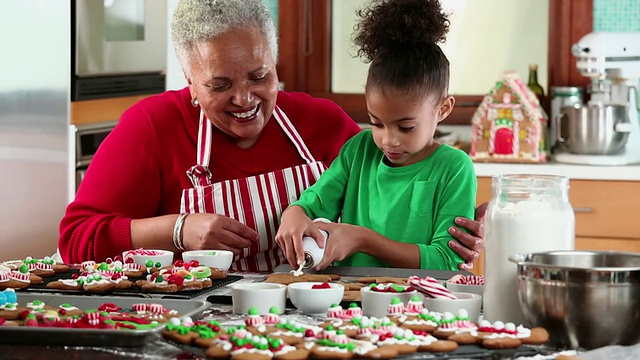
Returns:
<point x="526" y="214"/>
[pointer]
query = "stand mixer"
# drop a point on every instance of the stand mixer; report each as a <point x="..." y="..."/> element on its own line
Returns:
<point x="612" y="61"/>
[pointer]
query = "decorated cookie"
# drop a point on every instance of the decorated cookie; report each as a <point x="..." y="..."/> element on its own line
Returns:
<point x="15" y="279"/>
<point x="179" y="330"/>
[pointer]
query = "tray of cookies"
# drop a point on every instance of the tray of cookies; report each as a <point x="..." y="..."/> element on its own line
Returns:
<point x="292" y="336"/>
<point x="180" y="280"/>
<point x="52" y="319"/>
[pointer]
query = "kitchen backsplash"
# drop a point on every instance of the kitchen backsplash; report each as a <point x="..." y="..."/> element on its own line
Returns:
<point x="616" y="15"/>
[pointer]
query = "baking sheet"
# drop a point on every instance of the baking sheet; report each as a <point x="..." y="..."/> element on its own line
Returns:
<point x="133" y="291"/>
<point x="462" y="352"/>
<point x="93" y="337"/>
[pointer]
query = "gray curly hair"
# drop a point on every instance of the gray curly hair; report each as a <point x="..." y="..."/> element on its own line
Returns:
<point x="197" y="20"/>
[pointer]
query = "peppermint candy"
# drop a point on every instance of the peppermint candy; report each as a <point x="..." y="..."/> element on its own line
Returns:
<point x="430" y="287"/>
<point x="467" y="279"/>
<point x="156" y="308"/>
<point x="140" y="307"/>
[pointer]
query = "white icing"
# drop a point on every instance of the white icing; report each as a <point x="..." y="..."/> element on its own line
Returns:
<point x="31" y="305"/>
<point x="299" y="271"/>
<point x="285" y="349"/>
<point x="69" y="282"/>
<point x="332" y="348"/>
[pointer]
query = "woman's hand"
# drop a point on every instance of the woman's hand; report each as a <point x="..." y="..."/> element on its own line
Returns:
<point x="214" y="231"/>
<point x="294" y="224"/>
<point x="470" y="245"/>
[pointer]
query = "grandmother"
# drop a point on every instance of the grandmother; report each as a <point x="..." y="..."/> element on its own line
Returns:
<point x="213" y="165"/>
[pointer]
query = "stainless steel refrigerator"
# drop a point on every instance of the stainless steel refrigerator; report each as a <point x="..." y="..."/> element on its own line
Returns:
<point x="34" y="123"/>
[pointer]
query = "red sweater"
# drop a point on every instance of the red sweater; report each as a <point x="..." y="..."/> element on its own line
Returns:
<point x="139" y="169"/>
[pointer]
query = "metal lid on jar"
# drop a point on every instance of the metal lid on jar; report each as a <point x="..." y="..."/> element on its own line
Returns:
<point x="566" y="91"/>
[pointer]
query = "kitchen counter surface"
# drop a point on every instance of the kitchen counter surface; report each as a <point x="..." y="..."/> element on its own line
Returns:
<point x="159" y="349"/>
<point x="577" y="172"/>
<point x="574" y="172"/>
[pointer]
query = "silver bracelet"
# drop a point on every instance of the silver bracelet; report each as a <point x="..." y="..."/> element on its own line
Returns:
<point x="177" y="232"/>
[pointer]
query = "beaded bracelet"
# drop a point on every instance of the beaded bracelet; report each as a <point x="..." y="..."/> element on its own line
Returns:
<point x="177" y="232"/>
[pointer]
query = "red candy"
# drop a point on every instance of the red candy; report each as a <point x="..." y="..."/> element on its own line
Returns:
<point x="178" y="263"/>
<point x="175" y="279"/>
<point x="324" y="285"/>
<point x="194" y="263"/>
<point x="109" y="307"/>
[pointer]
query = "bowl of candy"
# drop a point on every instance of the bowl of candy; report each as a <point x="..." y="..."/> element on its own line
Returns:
<point x="315" y="297"/>
<point x="377" y="297"/>
<point x="262" y="296"/>
<point x="219" y="259"/>
<point x="466" y="283"/>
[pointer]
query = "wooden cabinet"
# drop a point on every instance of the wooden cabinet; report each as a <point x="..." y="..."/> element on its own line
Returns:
<point x="607" y="214"/>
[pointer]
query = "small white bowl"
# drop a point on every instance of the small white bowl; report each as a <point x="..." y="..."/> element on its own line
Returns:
<point x="376" y="304"/>
<point x="262" y="296"/>
<point x="474" y="289"/>
<point x="314" y="301"/>
<point x="219" y="259"/>
<point x="156" y="257"/>
<point x="468" y="301"/>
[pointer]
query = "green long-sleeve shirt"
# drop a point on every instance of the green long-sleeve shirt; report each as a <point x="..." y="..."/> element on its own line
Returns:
<point x="414" y="204"/>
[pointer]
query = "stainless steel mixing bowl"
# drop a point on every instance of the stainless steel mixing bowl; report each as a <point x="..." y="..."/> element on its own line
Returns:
<point x="593" y="129"/>
<point x="585" y="299"/>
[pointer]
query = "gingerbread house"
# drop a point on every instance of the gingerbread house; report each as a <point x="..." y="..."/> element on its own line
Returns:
<point x="509" y="125"/>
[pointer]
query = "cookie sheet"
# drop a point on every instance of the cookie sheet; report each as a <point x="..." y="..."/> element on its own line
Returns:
<point x="93" y="337"/>
<point x="133" y="291"/>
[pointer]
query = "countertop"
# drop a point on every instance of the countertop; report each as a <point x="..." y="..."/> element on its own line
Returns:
<point x="573" y="172"/>
<point x="159" y="349"/>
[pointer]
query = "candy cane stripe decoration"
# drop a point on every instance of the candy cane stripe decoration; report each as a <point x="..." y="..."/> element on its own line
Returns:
<point x="430" y="287"/>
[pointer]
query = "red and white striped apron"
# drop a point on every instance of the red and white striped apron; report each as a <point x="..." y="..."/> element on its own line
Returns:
<point x="256" y="201"/>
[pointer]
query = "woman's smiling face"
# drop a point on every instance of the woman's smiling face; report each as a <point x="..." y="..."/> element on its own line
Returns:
<point x="234" y="79"/>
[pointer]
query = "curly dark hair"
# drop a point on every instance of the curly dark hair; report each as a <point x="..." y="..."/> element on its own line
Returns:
<point x="400" y="38"/>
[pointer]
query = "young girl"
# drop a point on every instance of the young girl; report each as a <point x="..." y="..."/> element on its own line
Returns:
<point x="395" y="190"/>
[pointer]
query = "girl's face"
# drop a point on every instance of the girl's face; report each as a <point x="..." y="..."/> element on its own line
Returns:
<point x="403" y="127"/>
<point x="234" y="79"/>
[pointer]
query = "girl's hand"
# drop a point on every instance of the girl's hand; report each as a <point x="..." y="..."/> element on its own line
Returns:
<point x="343" y="241"/>
<point x="294" y="224"/>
